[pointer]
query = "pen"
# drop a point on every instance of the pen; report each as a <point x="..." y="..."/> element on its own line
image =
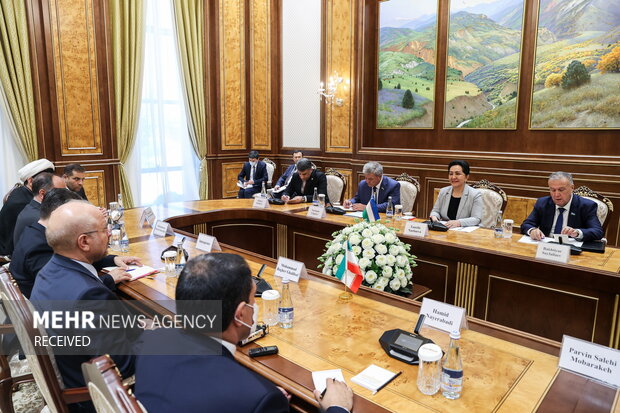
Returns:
<point x="387" y="382"/>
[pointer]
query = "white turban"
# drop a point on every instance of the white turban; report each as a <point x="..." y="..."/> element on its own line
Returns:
<point x="33" y="168"/>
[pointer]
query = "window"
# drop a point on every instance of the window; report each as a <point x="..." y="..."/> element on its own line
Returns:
<point x="163" y="166"/>
<point x="10" y="156"/>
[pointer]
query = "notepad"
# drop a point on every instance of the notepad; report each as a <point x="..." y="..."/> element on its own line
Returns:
<point x="136" y="272"/>
<point x="319" y="378"/>
<point x="373" y="377"/>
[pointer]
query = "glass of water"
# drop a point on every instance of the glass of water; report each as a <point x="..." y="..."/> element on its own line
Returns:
<point x="507" y="228"/>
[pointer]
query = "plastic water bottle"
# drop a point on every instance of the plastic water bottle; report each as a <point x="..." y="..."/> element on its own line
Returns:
<point x="180" y="262"/>
<point x="452" y="370"/>
<point x="121" y="206"/>
<point x="285" y="308"/>
<point x="263" y="191"/>
<point x="315" y="197"/>
<point x="389" y="210"/>
<point x="124" y="238"/>
<point x="498" y="230"/>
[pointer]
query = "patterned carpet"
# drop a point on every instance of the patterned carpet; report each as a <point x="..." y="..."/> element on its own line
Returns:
<point x="27" y="399"/>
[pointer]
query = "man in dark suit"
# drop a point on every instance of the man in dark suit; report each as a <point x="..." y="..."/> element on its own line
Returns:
<point x="78" y="233"/>
<point x="563" y="212"/>
<point x="19" y="197"/>
<point x="374" y="185"/>
<point x="41" y="185"/>
<point x="74" y="175"/>
<point x="286" y="177"/>
<point x="304" y="181"/>
<point x="252" y="176"/>
<point x="201" y="374"/>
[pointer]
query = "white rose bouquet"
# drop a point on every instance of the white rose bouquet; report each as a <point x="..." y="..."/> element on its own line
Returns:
<point x="384" y="259"/>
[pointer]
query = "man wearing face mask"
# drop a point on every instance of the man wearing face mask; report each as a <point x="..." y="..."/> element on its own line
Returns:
<point x="252" y="176"/>
<point x="203" y="375"/>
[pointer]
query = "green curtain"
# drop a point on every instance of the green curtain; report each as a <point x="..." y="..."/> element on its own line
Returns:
<point x="16" y="77"/>
<point x="128" y="20"/>
<point x="189" y="23"/>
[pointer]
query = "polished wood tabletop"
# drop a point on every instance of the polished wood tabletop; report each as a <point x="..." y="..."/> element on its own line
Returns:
<point x="500" y="375"/>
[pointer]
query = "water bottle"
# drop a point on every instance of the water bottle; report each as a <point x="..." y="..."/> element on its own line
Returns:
<point x="315" y="197"/>
<point x="498" y="230"/>
<point x="180" y="262"/>
<point x="285" y="308"/>
<point x="389" y="210"/>
<point x="121" y="206"/>
<point x="263" y="191"/>
<point x="124" y="238"/>
<point x="452" y="370"/>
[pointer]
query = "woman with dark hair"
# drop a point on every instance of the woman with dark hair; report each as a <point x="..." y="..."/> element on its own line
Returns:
<point x="459" y="203"/>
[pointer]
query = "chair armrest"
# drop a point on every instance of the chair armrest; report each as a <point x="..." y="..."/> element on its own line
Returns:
<point x="75" y="395"/>
<point x="6" y="329"/>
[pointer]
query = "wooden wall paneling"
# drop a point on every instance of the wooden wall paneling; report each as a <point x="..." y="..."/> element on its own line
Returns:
<point x="232" y="74"/>
<point x="341" y="15"/>
<point x="230" y="170"/>
<point x="95" y="187"/>
<point x="260" y="74"/>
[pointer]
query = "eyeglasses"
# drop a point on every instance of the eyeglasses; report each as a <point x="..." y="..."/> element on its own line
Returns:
<point x="96" y="230"/>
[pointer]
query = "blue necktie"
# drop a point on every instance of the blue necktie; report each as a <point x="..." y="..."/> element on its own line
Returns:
<point x="559" y="224"/>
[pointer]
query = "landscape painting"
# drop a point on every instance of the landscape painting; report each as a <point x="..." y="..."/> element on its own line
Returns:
<point x="484" y="59"/>
<point x="577" y="66"/>
<point x="406" y="63"/>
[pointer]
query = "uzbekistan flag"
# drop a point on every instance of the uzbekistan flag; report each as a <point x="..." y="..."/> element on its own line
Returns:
<point x="349" y="271"/>
<point x="371" y="213"/>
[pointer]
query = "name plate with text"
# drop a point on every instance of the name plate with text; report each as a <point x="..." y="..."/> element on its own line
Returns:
<point x="553" y="252"/>
<point x="589" y="359"/>
<point x="416" y="229"/>
<point x="260" y="202"/>
<point x="442" y="316"/>
<point x="161" y="229"/>
<point x="207" y="243"/>
<point x="316" y="211"/>
<point x="290" y="269"/>
<point x="148" y="216"/>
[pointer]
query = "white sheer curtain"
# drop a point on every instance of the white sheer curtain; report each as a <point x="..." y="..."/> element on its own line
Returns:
<point x="11" y="157"/>
<point x="163" y="166"/>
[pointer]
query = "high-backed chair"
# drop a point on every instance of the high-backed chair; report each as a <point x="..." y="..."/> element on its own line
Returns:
<point x="106" y="388"/>
<point x="271" y="167"/>
<point x="409" y="190"/>
<point x="604" y="206"/>
<point x="494" y="199"/>
<point x="336" y="185"/>
<point x="43" y="366"/>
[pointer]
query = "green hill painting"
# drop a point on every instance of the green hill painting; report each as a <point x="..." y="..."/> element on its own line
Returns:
<point x="406" y="64"/>
<point x="484" y="54"/>
<point x="577" y="66"/>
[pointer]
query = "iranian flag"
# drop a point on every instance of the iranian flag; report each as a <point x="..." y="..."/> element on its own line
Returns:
<point x="371" y="212"/>
<point x="349" y="271"/>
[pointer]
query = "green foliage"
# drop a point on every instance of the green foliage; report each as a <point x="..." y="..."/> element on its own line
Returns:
<point x="408" y="101"/>
<point x="576" y="75"/>
<point x="380" y="84"/>
<point x="398" y="86"/>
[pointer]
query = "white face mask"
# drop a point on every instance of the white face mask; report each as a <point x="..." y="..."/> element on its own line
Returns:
<point x="254" y="319"/>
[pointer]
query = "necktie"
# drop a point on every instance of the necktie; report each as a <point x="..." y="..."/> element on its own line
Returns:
<point x="559" y="224"/>
<point x="252" y="173"/>
<point x="375" y="194"/>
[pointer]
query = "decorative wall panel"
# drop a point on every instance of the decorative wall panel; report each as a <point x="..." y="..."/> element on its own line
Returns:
<point x="260" y="73"/>
<point x="230" y="170"/>
<point x="232" y="74"/>
<point x="74" y="58"/>
<point x="94" y="186"/>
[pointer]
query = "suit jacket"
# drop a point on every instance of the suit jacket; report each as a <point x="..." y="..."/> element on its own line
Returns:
<point x="284" y="177"/>
<point x="29" y="215"/>
<point x="582" y="216"/>
<point x="202" y="376"/>
<point x="316" y="180"/>
<point x="82" y="193"/>
<point x="389" y="187"/>
<point x="19" y="198"/>
<point x="470" y="208"/>
<point x="31" y="254"/>
<point x="260" y="174"/>
<point x="62" y="279"/>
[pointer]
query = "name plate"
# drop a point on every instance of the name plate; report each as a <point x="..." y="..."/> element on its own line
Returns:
<point x="148" y="216"/>
<point x="316" y="211"/>
<point x="260" y="202"/>
<point x="416" y="229"/>
<point x="207" y="243"/>
<point x="161" y="229"/>
<point x="290" y="269"/>
<point x="553" y="252"/>
<point x="592" y="360"/>
<point x="442" y="316"/>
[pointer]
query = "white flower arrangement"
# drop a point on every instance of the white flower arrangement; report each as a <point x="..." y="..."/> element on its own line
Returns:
<point x="384" y="259"/>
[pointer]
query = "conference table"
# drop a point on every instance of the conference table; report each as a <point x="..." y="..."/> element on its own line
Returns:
<point x="506" y="370"/>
